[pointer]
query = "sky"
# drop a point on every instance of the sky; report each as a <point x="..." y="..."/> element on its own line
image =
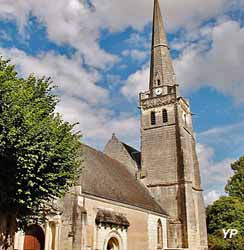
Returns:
<point x="98" y="54"/>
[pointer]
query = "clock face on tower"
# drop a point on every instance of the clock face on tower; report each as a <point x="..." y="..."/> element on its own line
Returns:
<point x="158" y="91"/>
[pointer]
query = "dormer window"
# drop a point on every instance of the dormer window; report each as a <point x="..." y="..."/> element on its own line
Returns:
<point x="153" y="118"/>
<point x="165" y="116"/>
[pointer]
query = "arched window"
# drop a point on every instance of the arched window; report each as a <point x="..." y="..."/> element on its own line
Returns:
<point x="160" y="235"/>
<point x="153" y="118"/>
<point x="113" y="244"/>
<point x="158" y="82"/>
<point x="165" y="116"/>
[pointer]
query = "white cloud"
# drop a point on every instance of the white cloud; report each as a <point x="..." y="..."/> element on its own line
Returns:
<point x="136" y="83"/>
<point x="98" y="124"/>
<point x="229" y="138"/>
<point x="220" y="66"/>
<point x="67" y="22"/>
<point x="214" y="174"/>
<point x="5" y="36"/>
<point x="211" y="196"/>
<point x="74" y="23"/>
<point x="113" y="80"/>
<point x="68" y="74"/>
<point x="219" y="131"/>
<point x="135" y="54"/>
<point x="138" y="40"/>
<point x="137" y="13"/>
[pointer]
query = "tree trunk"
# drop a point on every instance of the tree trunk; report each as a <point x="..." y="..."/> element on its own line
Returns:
<point x="8" y="228"/>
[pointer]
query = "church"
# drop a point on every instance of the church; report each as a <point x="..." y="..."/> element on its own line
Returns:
<point x="135" y="200"/>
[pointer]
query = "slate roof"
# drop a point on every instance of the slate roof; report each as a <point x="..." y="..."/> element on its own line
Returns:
<point x="135" y="154"/>
<point x="105" y="177"/>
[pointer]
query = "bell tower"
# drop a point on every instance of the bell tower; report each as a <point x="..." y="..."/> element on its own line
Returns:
<point x="170" y="168"/>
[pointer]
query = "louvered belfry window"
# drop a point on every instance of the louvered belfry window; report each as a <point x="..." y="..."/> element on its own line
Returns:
<point x="165" y="116"/>
<point x="153" y="118"/>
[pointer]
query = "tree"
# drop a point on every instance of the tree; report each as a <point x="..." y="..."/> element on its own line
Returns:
<point x="228" y="213"/>
<point x="235" y="186"/>
<point x="39" y="154"/>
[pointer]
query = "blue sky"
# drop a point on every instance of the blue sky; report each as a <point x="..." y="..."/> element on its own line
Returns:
<point x="97" y="52"/>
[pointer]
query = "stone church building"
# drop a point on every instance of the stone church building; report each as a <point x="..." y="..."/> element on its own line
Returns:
<point x="131" y="200"/>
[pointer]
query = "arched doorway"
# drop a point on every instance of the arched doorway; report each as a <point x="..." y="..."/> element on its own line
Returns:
<point x="113" y="244"/>
<point x="34" y="238"/>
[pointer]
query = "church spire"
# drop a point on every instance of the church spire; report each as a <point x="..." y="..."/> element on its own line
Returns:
<point x="161" y="71"/>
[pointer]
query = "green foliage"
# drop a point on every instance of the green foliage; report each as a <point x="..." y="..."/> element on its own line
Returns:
<point x="217" y="242"/>
<point x="39" y="153"/>
<point x="235" y="186"/>
<point x="228" y="213"/>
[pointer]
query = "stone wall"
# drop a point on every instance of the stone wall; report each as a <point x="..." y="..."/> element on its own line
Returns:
<point x="135" y="238"/>
<point x="141" y="231"/>
<point x="159" y="157"/>
<point x="153" y="221"/>
<point x="116" y="150"/>
<point x="171" y="171"/>
<point x="195" y="211"/>
<point x="76" y="228"/>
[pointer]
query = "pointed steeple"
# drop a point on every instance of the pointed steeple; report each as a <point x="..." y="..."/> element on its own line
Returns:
<point x="161" y="71"/>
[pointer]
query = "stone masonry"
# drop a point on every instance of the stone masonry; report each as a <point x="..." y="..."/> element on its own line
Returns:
<point x="170" y="167"/>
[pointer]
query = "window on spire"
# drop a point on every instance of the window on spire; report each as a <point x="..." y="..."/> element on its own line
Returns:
<point x="153" y="118"/>
<point x="165" y="116"/>
<point x="158" y="79"/>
